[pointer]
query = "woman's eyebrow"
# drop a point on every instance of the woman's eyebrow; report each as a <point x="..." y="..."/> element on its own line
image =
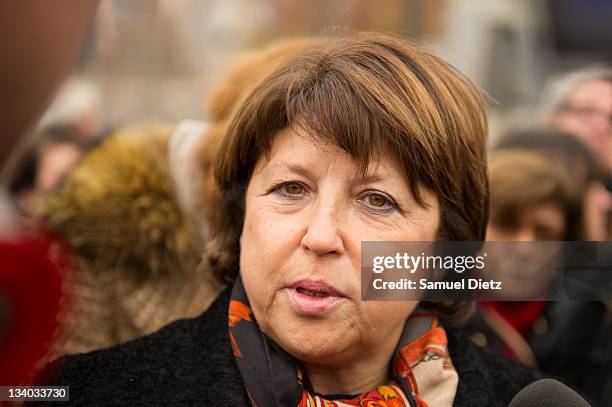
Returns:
<point x="388" y="182"/>
<point x="368" y="179"/>
<point x="297" y="168"/>
<point x="304" y="171"/>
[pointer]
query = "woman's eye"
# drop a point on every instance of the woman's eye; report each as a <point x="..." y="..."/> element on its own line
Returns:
<point x="379" y="202"/>
<point x="293" y="188"/>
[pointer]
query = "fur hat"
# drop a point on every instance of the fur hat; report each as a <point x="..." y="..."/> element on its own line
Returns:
<point x="118" y="208"/>
<point x="136" y="252"/>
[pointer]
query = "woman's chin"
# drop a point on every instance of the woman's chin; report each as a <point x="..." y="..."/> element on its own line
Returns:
<point x="314" y="348"/>
<point x="311" y="339"/>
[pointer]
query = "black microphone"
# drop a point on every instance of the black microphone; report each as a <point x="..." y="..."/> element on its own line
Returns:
<point x="548" y="393"/>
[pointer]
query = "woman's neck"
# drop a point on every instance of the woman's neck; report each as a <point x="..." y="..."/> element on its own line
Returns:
<point x="367" y="371"/>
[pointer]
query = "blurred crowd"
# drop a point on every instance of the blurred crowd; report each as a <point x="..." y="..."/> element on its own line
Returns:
<point x="122" y="209"/>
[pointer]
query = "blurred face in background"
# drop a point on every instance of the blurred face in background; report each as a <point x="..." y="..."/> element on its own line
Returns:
<point x="545" y="221"/>
<point x="534" y="204"/>
<point x="587" y="113"/>
<point x="55" y="161"/>
<point x="526" y="273"/>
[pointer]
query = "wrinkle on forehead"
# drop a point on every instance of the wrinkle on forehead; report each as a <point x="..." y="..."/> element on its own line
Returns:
<point x="363" y="169"/>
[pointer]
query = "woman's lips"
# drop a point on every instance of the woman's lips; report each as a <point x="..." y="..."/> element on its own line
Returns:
<point x="313" y="298"/>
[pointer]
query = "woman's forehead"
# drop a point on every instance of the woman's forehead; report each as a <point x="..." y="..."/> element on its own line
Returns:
<point x="299" y="150"/>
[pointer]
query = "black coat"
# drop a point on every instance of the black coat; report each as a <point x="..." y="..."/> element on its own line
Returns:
<point x="190" y="363"/>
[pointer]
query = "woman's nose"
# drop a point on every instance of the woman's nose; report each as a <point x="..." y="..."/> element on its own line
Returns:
<point x="323" y="235"/>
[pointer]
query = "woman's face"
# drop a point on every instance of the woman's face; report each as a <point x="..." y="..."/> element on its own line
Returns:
<point x="307" y="212"/>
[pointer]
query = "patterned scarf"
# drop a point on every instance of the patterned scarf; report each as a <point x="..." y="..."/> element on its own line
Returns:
<point x="422" y="373"/>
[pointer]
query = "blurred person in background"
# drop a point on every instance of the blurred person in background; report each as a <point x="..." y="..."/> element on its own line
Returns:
<point x="580" y="103"/>
<point x="71" y="124"/>
<point x="587" y="172"/>
<point x="532" y="199"/>
<point x="571" y="340"/>
<point x="134" y="251"/>
<point x="41" y="164"/>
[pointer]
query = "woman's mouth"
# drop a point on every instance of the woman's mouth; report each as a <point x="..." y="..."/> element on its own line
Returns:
<point x="311" y="293"/>
<point x="312" y="298"/>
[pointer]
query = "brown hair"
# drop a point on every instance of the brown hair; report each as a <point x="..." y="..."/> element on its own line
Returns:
<point x="521" y="180"/>
<point x="244" y="74"/>
<point x="371" y="95"/>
